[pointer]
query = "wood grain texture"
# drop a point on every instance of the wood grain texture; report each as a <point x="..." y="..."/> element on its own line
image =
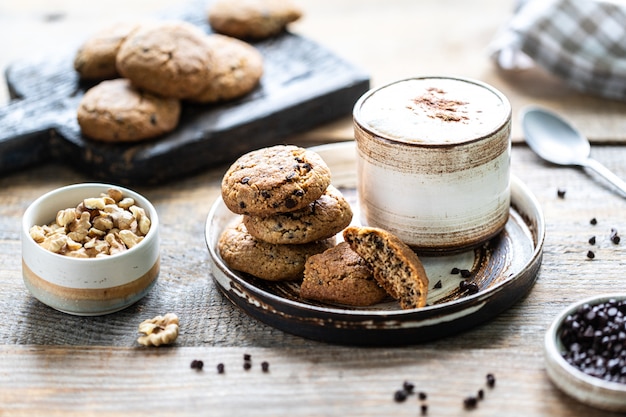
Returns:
<point x="54" y="364"/>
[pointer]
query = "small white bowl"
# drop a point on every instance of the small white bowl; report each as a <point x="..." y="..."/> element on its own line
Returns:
<point x="92" y="286"/>
<point x="585" y="388"/>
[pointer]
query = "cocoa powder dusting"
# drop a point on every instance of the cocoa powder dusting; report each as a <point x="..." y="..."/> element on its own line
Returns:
<point x="436" y="105"/>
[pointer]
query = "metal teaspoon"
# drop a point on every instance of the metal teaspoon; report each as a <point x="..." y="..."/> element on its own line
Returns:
<point x="556" y="141"/>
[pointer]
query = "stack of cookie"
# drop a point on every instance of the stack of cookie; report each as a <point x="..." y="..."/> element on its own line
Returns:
<point x="290" y="218"/>
<point x="161" y="63"/>
<point x="289" y="210"/>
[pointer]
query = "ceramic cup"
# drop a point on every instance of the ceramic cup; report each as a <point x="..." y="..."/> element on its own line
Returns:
<point x="433" y="163"/>
<point x="87" y="286"/>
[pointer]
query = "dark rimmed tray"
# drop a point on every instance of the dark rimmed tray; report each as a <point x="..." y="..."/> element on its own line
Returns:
<point x="505" y="269"/>
<point x="304" y="86"/>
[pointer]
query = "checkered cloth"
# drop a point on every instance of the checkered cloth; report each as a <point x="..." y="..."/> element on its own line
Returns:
<point x="582" y="42"/>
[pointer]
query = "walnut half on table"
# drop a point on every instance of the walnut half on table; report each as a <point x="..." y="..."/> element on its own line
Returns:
<point x="161" y="330"/>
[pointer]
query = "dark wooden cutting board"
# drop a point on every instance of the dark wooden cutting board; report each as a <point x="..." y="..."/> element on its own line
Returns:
<point x="304" y="85"/>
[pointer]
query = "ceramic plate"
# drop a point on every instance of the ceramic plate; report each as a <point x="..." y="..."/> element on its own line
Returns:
<point x="505" y="269"/>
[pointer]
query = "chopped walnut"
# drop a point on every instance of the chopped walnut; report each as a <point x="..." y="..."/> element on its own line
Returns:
<point x="161" y="330"/>
<point x="65" y="217"/>
<point x="97" y="226"/>
<point x="129" y="238"/>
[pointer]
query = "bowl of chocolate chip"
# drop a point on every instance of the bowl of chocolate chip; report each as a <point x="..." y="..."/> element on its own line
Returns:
<point x="585" y="351"/>
<point x="90" y="249"/>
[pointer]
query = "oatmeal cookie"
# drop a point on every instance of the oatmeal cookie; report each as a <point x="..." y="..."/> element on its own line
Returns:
<point x="242" y="252"/>
<point x="277" y="179"/>
<point x="171" y="59"/>
<point x="396" y="267"/>
<point x="237" y="69"/>
<point x="95" y="58"/>
<point x="325" y="217"/>
<point x="115" y="111"/>
<point x="254" y="19"/>
<point x="340" y="275"/>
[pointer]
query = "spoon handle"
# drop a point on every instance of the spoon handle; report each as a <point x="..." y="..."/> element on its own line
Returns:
<point x="607" y="174"/>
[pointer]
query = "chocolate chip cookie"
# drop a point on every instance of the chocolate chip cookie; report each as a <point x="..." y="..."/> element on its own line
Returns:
<point x="255" y="19"/>
<point x="323" y="218"/>
<point x="95" y="58"/>
<point x="115" y="111"/>
<point x="340" y="275"/>
<point x="171" y="59"/>
<point x="243" y="252"/>
<point x="237" y="70"/>
<point x="277" y="179"/>
<point x="396" y="267"/>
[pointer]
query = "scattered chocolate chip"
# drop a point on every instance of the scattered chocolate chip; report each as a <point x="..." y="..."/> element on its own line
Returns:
<point x="472" y="288"/>
<point x="265" y="366"/>
<point x="463" y="285"/>
<point x="422" y="395"/>
<point x="465" y="273"/>
<point x="247" y="365"/>
<point x="593" y="221"/>
<point x="247" y="357"/>
<point x="220" y="368"/>
<point x="491" y="380"/>
<point x="455" y="271"/>
<point x="590" y="254"/>
<point x="242" y="205"/>
<point x="197" y="364"/>
<point x="400" y="396"/>
<point x="481" y="394"/>
<point x="470" y="402"/>
<point x="560" y="193"/>
<point x="592" y="240"/>
<point x="265" y="194"/>
<point x="437" y="285"/>
<point x="424" y="409"/>
<point x="408" y="387"/>
<point x="615" y="236"/>
<point x="298" y="193"/>
<point x="153" y="119"/>
<point x="245" y="180"/>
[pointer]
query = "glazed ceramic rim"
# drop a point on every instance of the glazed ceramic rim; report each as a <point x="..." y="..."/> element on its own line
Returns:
<point x="585" y="388"/>
<point x="497" y="127"/>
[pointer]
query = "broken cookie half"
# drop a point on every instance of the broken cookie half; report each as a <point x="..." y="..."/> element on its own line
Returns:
<point x="396" y="267"/>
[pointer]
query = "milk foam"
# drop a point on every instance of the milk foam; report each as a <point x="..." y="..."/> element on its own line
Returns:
<point x="433" y="110"/>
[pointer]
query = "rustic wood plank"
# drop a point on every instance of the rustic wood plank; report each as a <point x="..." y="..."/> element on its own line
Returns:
<point x="300" y="382"/>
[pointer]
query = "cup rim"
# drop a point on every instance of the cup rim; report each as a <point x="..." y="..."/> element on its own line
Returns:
<point x="507" y="113"/>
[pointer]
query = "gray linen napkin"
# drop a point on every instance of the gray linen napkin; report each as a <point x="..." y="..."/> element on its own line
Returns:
<point x="582" y="42"/>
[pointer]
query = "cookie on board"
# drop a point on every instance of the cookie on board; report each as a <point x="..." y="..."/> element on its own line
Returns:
<point x="323" y="218"/>
<point x="276" y="179"/>
<point x="340" y="275"/>
<point x="171" y="59"/>
<point x="253" y="19"/>
<point x="237" y="70"/>
<point x="396" y="267"/>
<point x="115" y="111"/>
<point x="243" y="252"/>
<point x="95" y="58"/>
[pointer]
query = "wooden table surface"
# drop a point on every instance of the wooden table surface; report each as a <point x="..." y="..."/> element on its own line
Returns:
<point x="56" y="364"/>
